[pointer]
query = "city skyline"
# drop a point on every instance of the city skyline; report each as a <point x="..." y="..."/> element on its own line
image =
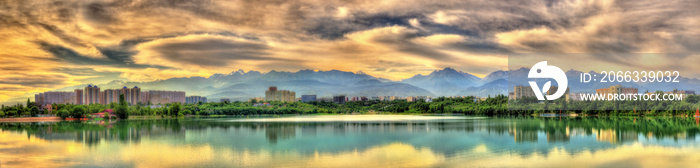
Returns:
<point x="92" y="94"/>
<point x="435" y="76"/>
<point x="135" y="96"/>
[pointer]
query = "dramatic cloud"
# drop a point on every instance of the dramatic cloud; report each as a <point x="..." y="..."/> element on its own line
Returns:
<point x="200" y="50"/>
<point x="46" y="45"/>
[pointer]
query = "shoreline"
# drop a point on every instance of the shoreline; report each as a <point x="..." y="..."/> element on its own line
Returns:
<point x="31" y="119"/>
<point x="147" y="117"/>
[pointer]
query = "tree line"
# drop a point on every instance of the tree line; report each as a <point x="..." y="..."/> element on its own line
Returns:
<point x="497" y="105"/>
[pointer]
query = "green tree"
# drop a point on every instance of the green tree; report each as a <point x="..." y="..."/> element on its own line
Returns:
<point x="63" y="113"/>
<point x="78" y="112"/>
<point x="106" y="116"/>
<point x="21" y="110"/>
<point x="34" y="111"/>
<point x="175" y="109"/>
<point x="692" y="99"/>
<point x="186" y="112"/>
<point x="122" y="111"/>
<point x="11" y="113"/>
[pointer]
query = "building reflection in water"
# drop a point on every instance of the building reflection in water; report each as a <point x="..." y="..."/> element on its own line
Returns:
<point x="615" y="136"/>
<point x="557" y="135"/>
<point x="92" y="134"/>
<point x="523" y="135"/>
<point x="277" y="131"/>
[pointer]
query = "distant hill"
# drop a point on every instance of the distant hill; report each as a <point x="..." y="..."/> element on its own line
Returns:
<point x="446" y="82"/>
<point x="493" y="88"/>
<point x="241" y="85"/>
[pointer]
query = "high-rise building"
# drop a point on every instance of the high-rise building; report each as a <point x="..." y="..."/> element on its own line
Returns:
<point x="308" y="98"/>
<point x="616" y="89"/>
<point x="100" y="95"/>
<point x="165" y="97"/>
<point x="388" y="98"/>
<point x="272" y="94"/>
<point x="91" y="94"/>
<point x="131" y="95"/>
<point x="340" y="99"/>
<point x="145" y="98"/>
<point x="522" y="91"/>
<point x="39" y="99"/>
<point x="195" y="99"/>
<point x="110" y="96"/>
<point x="134" y="95"/>
<point x="79" y="96"/>
<point x="126" y="92"/>
<point x="410" y="98"/>
<point x="362" y="98"/>
<point x="56" y="97"/>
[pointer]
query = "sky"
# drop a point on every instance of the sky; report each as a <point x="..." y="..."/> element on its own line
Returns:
<point x="45" y="45"/>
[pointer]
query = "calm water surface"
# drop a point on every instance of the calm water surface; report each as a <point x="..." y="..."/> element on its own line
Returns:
<point x="355" y="141"/>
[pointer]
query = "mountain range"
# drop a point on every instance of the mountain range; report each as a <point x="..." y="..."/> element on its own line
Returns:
<point x="241" y="85"/>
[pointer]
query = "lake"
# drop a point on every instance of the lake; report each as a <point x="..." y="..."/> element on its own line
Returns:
<point x="356" y="141"/>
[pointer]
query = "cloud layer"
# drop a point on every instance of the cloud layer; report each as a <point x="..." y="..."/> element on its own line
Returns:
<point x="53" y="44"/>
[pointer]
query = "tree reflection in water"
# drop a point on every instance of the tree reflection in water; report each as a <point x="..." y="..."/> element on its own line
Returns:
<point x="365" y="134"/>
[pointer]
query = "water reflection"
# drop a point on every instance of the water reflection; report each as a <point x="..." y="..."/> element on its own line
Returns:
<point x="91" y="133"/>
<point x="218" y="142"/>
<point x="522" y="130"/>
<point x="275" y="131"/>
